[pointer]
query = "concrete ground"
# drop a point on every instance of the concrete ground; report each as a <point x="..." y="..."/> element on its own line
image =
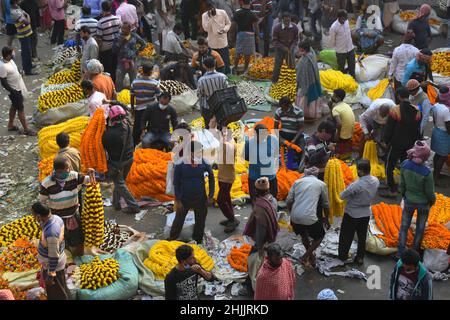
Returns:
<point x="311" y="282"/>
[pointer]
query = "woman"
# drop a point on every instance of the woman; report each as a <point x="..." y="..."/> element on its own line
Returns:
<point x="421" y="27"/>
<point x="309" y="89"/>
<point x="368" y="34"/>
<point x="102" y="82"/>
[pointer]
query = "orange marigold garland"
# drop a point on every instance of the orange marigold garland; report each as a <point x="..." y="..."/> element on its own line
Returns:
<point x="349" y="177"/>
<point x="238" y="257"/>
<point x="91" y="149"/>
<point x="45" y="167"/>
<point x="357" y="136"/>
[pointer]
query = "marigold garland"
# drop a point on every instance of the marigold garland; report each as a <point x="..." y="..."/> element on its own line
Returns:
<point x="91" y="149"/>
<point x="45" y="167"/>
<point x="334" y="179"/>
<point x="237" y="258"/>
<point x="19" y="257"/>
<point x="357" y="136"/>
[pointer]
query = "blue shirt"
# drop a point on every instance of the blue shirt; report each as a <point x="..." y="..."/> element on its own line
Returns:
<point x="411" y="67"/>
<point x="189" y="182"/>
<point x="7" y="13"/>
<point x="263" y="163"/>
<point x="95" y="5"/>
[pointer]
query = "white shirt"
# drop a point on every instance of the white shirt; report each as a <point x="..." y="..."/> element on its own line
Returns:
<point x="373" y="113"/>
<point x="96" y="101"/>
<point x="9" y="71"/>
<point x="341" y="37"/>
<point x="441" y="115"/>
<point x="213" y="25"/>
<point x="172" y="43"/>
<point x="400" y="58"/>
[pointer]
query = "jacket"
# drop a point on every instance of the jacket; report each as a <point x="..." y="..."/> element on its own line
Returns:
<point x="398" y="132"/>
<point x="417" y="183"/>
<point x="423" y="290"/>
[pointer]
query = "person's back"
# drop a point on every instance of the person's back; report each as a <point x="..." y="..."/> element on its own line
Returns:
<point x="347" y="116"/>
<point x="417" y="185"/>
<point x="117" y="141"/>
<point x="104" y="84"/>
<point x="359" y="196"/>
<point x="403" y="126"/>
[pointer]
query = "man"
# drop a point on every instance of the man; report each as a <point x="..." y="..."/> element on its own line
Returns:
<point x="410" y="280"/>
<point x="95" y="98"/>
<point x="60" y="192"/>
<point x="156" y="121"/>
<point x="440" y="139"/>
<point x="165" y="11"/>
<point x="144" y="89"/>
<point x="205" y="52"/>
<point x="419" y="68"/>
<point x="24" y="34"/>
<point x="180" y="70"/>
<point x="31" y="7"/>
<point x="87" y="20"/>
<point x="5" y="17"/>
<point x="90" y="48"/>
<point x="359" y="196"/>
<point x="344" y="118"/>
<point x="207" y="85"/>
<point x="190" y="10"/>
<point x="290" y="119"/>
<point x="401" y="56"/>
<point x="331" y="9"/>
<point x="263" y="9"/>
<point x="401" y="131"/>
<point x="57" y="12"/>
<point x="284" y="40"/>
<point x="315" y="8"/>
<point x="181" y="282"/>
<point x="373" y="120"/>
<point x="276" y="278"/>
<point x="127" y="14"/>
<point x="173" y="47"/>
<point x="420" y="99"/>
<point x="417" y="189"/>
<point x="306" y="200"/>
<point x="12" y="81"/>
<point x="67" y="152"/>
<point x="341" y="39"/>
<point x="190" y="193"/>
<point x="318" y="147"/>
<point x="262" y="226"/>
<point x="217" y="24"/>
<point x="95" y="6"/>
<point x="118" y="143"/>
<point x="107" y="28"/>
<point x="102" y="82"/>
<point x="51" y="253"/>
<point x="246" y="26"/>
<point x="390" y="9"/>
<point x="126" y="47"/>
<point x="421" y="27"/>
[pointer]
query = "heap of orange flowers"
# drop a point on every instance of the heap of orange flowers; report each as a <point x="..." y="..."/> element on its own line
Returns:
<point x="19" y="257"/>
<point x="147" y="176"/>
<point x="357" y="136"/>
<point x="238" y="257"/>
<point x="91" y="148"/>
<point x="349" y="177"/>
<point x="45" y="167"/>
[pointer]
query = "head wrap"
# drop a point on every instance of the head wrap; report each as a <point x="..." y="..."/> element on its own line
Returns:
<point x="412" y="84"/>
<point x="421" y="57"/>
<point x="312" y="171"/>
<point x="94" y="66"/>
<point x="424" y="11"/>
<point x="262" y="183"/>
<point x="419" y="153"/>
<point x="409" y="35"/>
<point x="326" y="294"/>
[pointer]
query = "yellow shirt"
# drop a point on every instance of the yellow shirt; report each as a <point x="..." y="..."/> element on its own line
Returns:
<point x="345" y="112"/>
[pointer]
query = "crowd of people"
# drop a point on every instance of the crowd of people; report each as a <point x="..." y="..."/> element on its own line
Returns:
<point x="113" y="33"/>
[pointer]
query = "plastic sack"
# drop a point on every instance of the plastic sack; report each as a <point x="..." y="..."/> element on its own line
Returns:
<point x="436" y="260"/>
<point x="184" y="102"/>
<point x="21" y="280"/>
<point x="61" y="114"/>
<point x="123" y="289"/>
<point x="170" y="189"/>
<point x="374" y="244"/>
<point x="188" y="226"/>
<point x="372" y="68"/>
<point x="328" y="57"/>
<point x="438" y="78"/>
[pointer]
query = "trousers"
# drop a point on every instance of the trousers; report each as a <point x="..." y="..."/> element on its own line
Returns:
<point x="349" y="226"/>
<point x="200" y="212"/>
<point x="393" y="156"/>
<point x="57" y="32"/>
<point x="407" y="214"/>
<point x="118" y="172"/>
<point x="348" y="57"/>
<point x="224" y="200"/>
<point x="25" y="54"/>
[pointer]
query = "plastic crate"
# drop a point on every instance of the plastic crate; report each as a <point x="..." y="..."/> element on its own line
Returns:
<point x="219" y="97"/>
<point x="230" y="111"/>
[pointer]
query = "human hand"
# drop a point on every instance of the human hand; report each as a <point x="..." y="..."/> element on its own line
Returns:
<point x="90" y="171"/>
<point x="332" y="147"/>
<point x="326" y="223"/>
<point x="50" y="281"/>
<point x="196" y="268"/>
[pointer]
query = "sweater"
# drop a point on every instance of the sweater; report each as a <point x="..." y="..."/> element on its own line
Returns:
<point x="51" y="245"/>
<point x="417" y="183"/>
<point x="286" y="37"/>
<point x="423" y="290"/>
<point x="189" y="182"/>
<point x="398" y="132"/>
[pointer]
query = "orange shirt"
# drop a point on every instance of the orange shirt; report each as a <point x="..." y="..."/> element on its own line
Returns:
<point x="104" y="84"/>
<point x="214" y="54"/>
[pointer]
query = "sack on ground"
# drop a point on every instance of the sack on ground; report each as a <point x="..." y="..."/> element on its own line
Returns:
<point x="184" y="102"/>
<point x="436" y="260"/>
<point x="57" y="115"/>
<point x="372" y="68"/>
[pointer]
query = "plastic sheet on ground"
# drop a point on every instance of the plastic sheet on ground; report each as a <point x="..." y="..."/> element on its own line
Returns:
<point x="330" y="244"/>
<point x="21" y="280"/>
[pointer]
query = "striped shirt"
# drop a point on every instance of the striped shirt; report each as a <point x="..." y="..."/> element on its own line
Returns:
<point x="291" y="120"/>
<point x="62" y="198"/>
<point x="91" y="23"/>
<point x="145" y="89"/>
<point x="51" y="253"/>
<point x="107" y="28"/>
<point x="20" y="21"/>
<point x="207" y="84"/>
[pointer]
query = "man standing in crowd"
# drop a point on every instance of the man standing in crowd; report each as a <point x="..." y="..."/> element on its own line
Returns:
<point x="419" y="68"/>
<point x="126" y="47"/>
<point x="181" y="281"/>
<point x="87" y="20"/>
<point x="173" y="48"/>
<point x="401" y="131"/>
<point x="31" y="7"/>
<point x="246" y="23"/>
<point x="190" y="10"/>
<point x="165" y="18"/>
<point x="12" y="81"/>
<point x="156" y="121"/>
<point x="263" y="10"/>
<point x="291" y="120"/>
<point x="204" y="52"/>
<point x="190" y="192"/>
<point x="51" y="253"/>
<point x="341" y="39"/>
<point x="57" y="12"/>
<point x="410" y="280"/>
<point x="359" y="196"/>
<point x="90" y="48"/>
<point x="420" y="99"/>
<point x="417" y="189"/>
<point x="5" y="17"/>
<point x="107" y="28"/>
<point x="67" y="152"/>
<point x="217" y="24"/>
<point x="344" y="118"/>
<point x="144" y="89"/>
<point x="60" y="192"/>
<point x="315" y="8"/>
<point x="276" y="277"/>
<point x="421" y="27"/>
<point x="118" y="143"/>
<point x="127" y="14"/>
<point x="95" y="6"/>
<point x="319" y="148"/>
<point x="210" y="82"/>
<point x="306" y="200"/>
<point x="284" y="40"/>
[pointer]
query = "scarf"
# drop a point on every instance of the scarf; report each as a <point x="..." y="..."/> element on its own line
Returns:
<point x="275" y="283"/>
<point x="308" y="80"/>
<point x="268" y="219"/>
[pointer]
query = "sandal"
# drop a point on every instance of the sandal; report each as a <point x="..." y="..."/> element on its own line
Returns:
<point x="13" y="128"/>
<point x="28" y="132"/>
